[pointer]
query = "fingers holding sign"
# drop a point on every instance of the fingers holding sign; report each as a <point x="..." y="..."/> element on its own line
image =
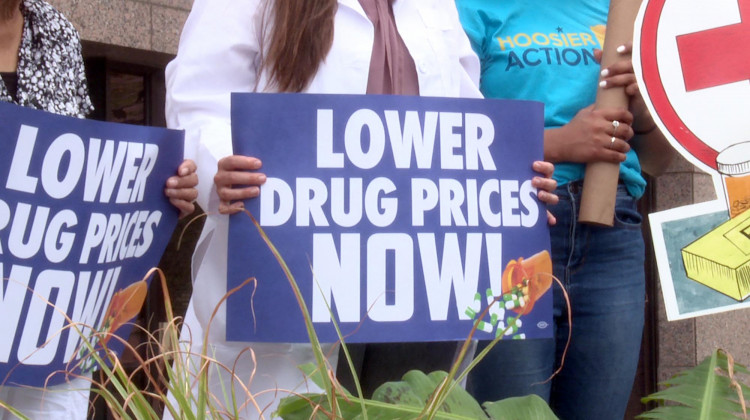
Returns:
<point x="180" y="189"/>
<point x="236" y="180"/>
<point x="546" y="186"/>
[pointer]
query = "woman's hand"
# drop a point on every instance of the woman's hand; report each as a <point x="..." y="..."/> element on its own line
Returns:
<point x="621" y="74"/>
<point x="180" y="189"/>
<point x="546" y="186"/>
<point x="591" y="136"/>
<point x="654" y="151"/>
<point x="234" y="183"/>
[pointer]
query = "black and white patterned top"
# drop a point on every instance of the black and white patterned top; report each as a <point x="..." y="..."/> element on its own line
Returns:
<point x="50" y="66"/>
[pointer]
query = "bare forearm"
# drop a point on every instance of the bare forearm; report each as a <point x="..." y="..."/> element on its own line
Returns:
<point x="552" y="143"/>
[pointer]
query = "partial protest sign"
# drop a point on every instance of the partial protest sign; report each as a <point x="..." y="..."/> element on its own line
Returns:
<point x="83" y="218"/>
<point x="694" y="80"/>
<point x="400" y="217"/>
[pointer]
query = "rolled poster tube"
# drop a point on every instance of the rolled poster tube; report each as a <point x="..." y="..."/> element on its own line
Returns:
<point x="600" y="181"/>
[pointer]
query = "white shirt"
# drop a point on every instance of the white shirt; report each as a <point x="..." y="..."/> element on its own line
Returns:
<point x="219" y="53"/>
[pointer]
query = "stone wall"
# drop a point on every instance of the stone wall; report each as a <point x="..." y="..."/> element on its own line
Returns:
<point x="153" y="25"/>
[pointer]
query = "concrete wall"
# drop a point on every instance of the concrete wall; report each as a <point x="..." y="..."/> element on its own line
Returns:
<point x="153" y="25"/>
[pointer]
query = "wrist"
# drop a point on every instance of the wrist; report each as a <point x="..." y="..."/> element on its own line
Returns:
<point x="552" y="142"/>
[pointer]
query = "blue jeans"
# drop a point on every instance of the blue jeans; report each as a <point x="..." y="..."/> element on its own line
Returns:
<point x="602" y="270"/>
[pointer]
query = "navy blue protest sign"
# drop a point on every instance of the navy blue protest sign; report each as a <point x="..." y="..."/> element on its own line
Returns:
<point x="400" y="217"/>
<point x="83" y="218"/>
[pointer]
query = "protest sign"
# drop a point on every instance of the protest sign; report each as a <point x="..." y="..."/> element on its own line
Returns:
<point x="83" y="216"/>
<point x="693" y="79"/>
<point x="399" y="213"/>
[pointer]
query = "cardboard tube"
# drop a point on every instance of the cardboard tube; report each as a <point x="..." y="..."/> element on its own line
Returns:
<point x="600" y="181"/>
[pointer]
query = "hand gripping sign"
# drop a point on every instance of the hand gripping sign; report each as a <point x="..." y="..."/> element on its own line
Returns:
<point x="398" y="216"/>
<point x="83" y="218"/>
<point x="693" y="72"/>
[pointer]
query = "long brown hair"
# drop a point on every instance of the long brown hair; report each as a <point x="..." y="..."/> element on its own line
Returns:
<point x="302" y="35"/>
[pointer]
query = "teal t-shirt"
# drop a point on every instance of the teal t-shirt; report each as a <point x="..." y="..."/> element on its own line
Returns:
<point x="543" y="51"/>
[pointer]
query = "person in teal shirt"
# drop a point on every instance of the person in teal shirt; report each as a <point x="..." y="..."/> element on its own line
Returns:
<point x="549" y="52"/>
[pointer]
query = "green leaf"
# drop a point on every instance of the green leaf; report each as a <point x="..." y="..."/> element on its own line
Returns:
<point x="458" y="400"/>
<point x="529" y="407"/>
<point x="707" y="392"/>
<point x="398" y="400"/>
<point x="313" y="373"/>
<point x="416" y="389"/>
<point x="301" y="407"/>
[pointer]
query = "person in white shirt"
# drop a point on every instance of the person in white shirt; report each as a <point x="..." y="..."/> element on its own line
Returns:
<point x="322" y="46"/>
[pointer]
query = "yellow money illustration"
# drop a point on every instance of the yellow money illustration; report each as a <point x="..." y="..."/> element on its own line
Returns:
<point x="720" y="259"/>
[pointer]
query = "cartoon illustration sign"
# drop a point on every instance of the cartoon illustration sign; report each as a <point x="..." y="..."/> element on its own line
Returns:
<point x="695" y="81"/>
<point x="401" y="218"/>
<point x="83" y="218"/>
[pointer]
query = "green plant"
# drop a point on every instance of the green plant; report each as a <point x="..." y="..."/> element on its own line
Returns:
<point x="164" y="361"/>
<point x="171" y="369"/>
<point x="167" y="366"/>
<point x="709" y="391"/>
<point x="411" y="399"/>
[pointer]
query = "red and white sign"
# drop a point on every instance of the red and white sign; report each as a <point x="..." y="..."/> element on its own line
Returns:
<point x="692" y="61"/>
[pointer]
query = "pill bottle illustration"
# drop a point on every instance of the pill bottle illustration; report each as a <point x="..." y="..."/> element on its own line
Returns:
<point x="733" y="163"/>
